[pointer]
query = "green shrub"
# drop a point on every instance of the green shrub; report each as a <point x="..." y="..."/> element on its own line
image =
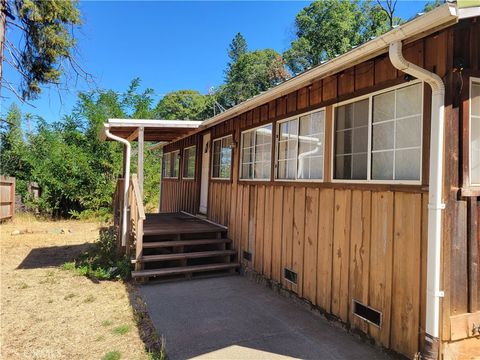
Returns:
<point x="112" y="355"/>
<point x="102" y="260"/>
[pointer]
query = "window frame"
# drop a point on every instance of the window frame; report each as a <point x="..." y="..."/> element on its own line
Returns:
<point x="475" y="80"/>
<point x="275" y="155"/>
<point x="231" y="159"/>
<point x="194" y="165"/>
<point x="370" y="96"/>
<point x="240" y="165"/>
<point x="171" y="154"/>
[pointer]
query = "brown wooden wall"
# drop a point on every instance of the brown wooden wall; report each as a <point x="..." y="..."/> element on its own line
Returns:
<point x="343" y="244"/>
<point x="461" y="231"/>
<point x="358" y="241"/>
<point x="180" y="194"/>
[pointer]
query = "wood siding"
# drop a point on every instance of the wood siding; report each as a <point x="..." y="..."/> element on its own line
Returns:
<point x="358" y="241"/>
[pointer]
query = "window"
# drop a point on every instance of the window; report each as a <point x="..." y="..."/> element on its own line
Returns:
<point x="170" y="165"/>
<point x="300" y="147"/>
<point x="189" y="162"/>
<point x="256" y="153"/>
<point x="380" y="138"/>
<point x="475" y="132"/>
<point x="222" y="158"/>
<point x="351" y="140"/>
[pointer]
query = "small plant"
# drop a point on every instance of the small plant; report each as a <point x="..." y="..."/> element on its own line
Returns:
<point x="121" y="330"/>
<point x="102" y="261"/>
<point x="112" y="355"/>
<point x="100" y="338"/>
<point x="107" y="323"/>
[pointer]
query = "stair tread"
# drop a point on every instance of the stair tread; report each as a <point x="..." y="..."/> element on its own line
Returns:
<point x="184" y="269"/>
<point x="159" y="244"/>
<point x="190" y="255"/>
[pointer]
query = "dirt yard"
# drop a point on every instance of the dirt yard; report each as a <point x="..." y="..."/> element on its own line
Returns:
<point x="50" y="313"/>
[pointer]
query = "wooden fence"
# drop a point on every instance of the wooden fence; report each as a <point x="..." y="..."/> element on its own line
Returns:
<point x="7" y="197"/>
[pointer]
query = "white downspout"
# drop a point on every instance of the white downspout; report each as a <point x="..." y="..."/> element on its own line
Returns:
<point x="435" y="204"/>
<point x="126" y="180"/>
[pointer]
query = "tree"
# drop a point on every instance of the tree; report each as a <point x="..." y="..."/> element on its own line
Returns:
<point x="389" y="9"/>
<point x="13" y="150"/>
<point x="252" y="73"/>
<point x="237" y="47"/>
<point x="326" y="29"/>
<point x="46" y="51"/>
<point x="429" y="6"/>
<point x="184" y="105"/>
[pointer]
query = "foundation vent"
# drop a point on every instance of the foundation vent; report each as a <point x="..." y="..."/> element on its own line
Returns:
<point x="367" y="313"/>
<point x="290" y="275"/>
<point x="247" y="255"/>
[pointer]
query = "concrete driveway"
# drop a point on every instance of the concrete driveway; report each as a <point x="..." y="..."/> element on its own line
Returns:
<point x="231" y="317"/>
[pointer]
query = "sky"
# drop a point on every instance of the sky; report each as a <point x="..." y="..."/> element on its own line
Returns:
<point x="169" y="45"/>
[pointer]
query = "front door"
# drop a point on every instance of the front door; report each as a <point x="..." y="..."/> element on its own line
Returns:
<point x="205" y="174"/>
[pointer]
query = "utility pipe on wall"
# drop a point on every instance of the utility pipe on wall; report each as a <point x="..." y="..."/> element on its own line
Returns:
<point x="435" y="204"/>
<point x="126" y="180"/>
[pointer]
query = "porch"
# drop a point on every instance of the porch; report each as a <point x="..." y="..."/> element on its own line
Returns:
<point x="166" y="245"/>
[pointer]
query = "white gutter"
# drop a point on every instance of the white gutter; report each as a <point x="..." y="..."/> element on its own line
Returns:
<point x="435" y="204"/>
<point x="433" y="20"/>
<point x="126" y="180"/>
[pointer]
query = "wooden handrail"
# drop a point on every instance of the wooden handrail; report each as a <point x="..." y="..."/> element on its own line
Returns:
<point x="136" y="218"/>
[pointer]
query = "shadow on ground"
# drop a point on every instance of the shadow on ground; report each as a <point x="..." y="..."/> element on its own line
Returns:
<point x="52" y="256"/>
<point x="232" y="317"/>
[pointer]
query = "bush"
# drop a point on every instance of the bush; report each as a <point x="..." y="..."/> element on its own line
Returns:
<point x="103" y="260"/>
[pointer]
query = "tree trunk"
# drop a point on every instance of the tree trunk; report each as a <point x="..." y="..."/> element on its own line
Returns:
<point x="2" y="38"/>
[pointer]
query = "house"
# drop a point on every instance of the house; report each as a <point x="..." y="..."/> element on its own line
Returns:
<point x="354" y="185"/>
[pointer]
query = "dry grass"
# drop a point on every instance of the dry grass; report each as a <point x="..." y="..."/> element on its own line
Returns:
<point x="50" y="313"/>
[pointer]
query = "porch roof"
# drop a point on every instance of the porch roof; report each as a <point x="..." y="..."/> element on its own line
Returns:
<point x="153" y="130"/>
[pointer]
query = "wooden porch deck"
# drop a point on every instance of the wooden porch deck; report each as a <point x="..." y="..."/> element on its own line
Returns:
<point x="163" y="224"/>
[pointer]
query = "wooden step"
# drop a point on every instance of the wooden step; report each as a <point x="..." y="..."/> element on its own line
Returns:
<point x="164" y="244"/>
<point x="184" y="270"/>
<point x="183" y="256"/>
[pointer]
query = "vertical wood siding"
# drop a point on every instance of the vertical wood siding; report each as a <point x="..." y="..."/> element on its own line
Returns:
<point x="352" y="241"/>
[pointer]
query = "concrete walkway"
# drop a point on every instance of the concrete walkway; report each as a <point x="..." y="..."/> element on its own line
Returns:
<point x="231" y="317"/>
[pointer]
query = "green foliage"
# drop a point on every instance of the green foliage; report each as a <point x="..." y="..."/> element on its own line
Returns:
<point x="75" y="169"/>
<point x="430" y="5"/>
<point x="325" y="29"/>
<point x="103" y="260"/>
<point x="121" y="329"/>
<point x="237" y="47"/>
<point x="47" y="41"/>
<point x="112" y="355"/>
<point x="252" y="73"/>
<point x="184" y="105"/>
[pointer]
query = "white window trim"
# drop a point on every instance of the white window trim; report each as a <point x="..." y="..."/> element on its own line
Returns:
<point x="369" y="153"/>
<point x="240" y="165"/>
<point x="231" y="159"/>
<point x="172" y="153"/>
<point x="296" y="163"/>
<point x="472" y="80"/>
<point x="183" y="163"/>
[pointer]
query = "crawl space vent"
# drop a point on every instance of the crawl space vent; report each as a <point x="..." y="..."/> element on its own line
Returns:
<point x="290" y="275"/>
<point x="367" y="313"/>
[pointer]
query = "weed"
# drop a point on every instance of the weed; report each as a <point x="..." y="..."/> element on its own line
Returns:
<point x="102" y="261"/>
<point x="121" y="330"/>
<point x="100" y="338"/>
<point x="112" y="355"/>
<point x="69" y="296"/>
<point x="89" y="299"/>
<point x="107" y="322"/>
